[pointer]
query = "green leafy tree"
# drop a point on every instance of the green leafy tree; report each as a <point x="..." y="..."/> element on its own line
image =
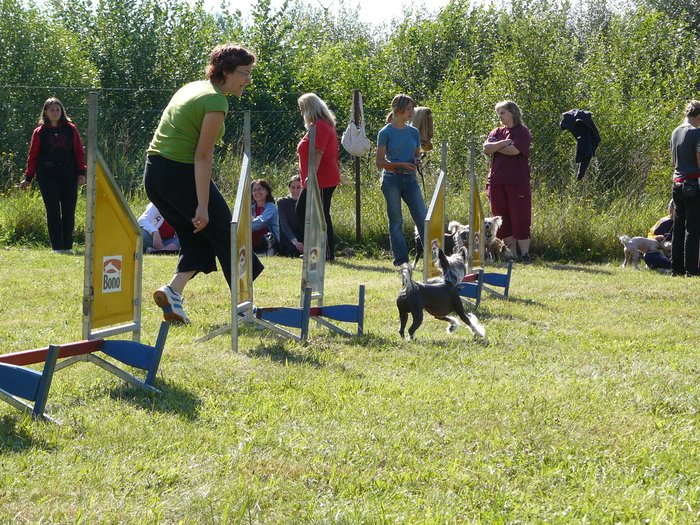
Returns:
<point x="40" y="59"/>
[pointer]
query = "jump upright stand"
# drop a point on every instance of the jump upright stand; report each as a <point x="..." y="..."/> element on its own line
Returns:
<point x="19" y="384"/>
<point x="280" y="319"/>
<point x="111" y="299"/>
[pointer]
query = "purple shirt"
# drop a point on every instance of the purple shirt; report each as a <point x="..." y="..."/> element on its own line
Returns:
<point x="507" y="169"/>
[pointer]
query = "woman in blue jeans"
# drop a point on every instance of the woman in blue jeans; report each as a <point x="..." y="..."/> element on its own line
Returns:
<point x="398" y="147"/>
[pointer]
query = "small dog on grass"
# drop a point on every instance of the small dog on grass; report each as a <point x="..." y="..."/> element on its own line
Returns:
<point x="439" y="297"/>
<point x="494" y="248"/>
<point x="635" y="246"/>
<point x="456" y="237"/>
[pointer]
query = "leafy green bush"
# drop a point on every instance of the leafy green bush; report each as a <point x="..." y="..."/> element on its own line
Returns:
<point x="22" y="218"/>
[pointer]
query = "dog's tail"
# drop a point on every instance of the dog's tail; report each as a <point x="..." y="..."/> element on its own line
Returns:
<point x="624" y="239"/>
<point x="508" y="255"/>
<point x="407" y="282"/>
<point x="453" y="226"/>
<point x="419" y="246"/>
<point x="475" y="326"/>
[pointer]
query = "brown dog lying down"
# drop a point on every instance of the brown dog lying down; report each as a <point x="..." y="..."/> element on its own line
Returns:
<point x="439" y="297"/>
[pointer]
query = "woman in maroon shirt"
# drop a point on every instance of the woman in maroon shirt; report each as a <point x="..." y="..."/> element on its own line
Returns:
<point x="508" y="184"/>
<point x="57" y="159"/>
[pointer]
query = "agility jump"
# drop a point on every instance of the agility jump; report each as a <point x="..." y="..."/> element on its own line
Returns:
<point x="280" y="319"/>
<point x="111" y="298"/>
<point x="434" y="235"/>
<point x="477" y="250"/>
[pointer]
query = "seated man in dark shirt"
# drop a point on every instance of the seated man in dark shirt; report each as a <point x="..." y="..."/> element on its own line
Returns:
<point x="290" y="229"/>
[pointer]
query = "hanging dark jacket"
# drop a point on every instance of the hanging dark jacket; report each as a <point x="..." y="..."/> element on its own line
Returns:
<point x="580" y="124"/>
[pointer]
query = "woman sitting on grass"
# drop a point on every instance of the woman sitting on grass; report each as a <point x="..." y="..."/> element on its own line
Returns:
<point x="662" y="231"/>
<point x="265" y="222"/>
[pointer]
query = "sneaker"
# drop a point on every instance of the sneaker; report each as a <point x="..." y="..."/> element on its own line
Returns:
<point x="171" y="304"/>
<point x="525" y="259"/>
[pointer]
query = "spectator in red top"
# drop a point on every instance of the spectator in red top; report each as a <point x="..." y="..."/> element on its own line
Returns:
<point x="508" y="183"/>
<point x="316" y="112"/>
<point x="57" y="159"/>
<point x="157" y="234"/>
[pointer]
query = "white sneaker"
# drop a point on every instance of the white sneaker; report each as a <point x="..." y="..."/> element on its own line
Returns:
<point x="171" y="304"/>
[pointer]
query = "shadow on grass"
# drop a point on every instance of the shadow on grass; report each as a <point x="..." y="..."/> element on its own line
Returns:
<point x="578" y="268"/>
<point x="172" y="399"/>
<point x="15" y="436"/>
<point x="346" y="263"/>
<point x="275" y="350"/>
<point x="377" y="342"/>
<point x="509" y="299"/>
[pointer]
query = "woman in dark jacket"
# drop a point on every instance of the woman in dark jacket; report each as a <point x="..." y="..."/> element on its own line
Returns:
<point x="57" y="159"/>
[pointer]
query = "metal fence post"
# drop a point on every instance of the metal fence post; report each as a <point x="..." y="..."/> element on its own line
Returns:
<point x="356" y="117"/>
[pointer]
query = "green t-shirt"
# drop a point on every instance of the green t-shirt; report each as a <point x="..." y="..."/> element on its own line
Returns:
<point x="181" y="123"/>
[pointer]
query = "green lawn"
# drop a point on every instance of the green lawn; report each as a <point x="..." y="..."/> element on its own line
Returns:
<point x="582" y="407"/>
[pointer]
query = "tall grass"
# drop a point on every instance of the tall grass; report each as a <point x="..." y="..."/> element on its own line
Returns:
<point x="574" y="225"/>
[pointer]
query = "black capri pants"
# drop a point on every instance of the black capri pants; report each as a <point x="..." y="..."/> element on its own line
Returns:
<point x="170" y="186"/>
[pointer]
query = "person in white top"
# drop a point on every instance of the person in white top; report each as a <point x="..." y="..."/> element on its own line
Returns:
<point x="157" y="234"/>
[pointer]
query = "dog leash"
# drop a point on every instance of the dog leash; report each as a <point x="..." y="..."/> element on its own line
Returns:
<point x="420" y="171"/>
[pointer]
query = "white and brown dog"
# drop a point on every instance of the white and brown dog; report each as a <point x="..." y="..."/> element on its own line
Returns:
<point x="637" y="246"/>
<point x="495" y="248"/>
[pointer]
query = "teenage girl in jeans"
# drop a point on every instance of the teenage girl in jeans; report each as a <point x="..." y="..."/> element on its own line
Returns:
<point x="398" y="150"/>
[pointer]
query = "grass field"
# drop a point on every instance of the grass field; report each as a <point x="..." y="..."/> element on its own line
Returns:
<point x="582" y="407"/>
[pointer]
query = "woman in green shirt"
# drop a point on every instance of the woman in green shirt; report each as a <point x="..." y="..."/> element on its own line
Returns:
<point x="177" y="177"/>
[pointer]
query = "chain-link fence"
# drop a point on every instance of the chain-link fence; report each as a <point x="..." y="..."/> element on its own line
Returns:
<point x="631" y="160"/>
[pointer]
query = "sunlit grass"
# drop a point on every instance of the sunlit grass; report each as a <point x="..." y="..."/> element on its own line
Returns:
<point x="583" y="407"/>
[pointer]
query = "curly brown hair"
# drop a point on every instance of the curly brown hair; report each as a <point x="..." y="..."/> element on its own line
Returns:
<point x="226" y="58"/>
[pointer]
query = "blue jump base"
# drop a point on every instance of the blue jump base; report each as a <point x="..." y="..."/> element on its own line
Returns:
<point x="20" y="386"/>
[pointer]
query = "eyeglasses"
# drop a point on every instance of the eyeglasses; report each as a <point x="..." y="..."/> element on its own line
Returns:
<point x="258" y="188"/>
<point x="245" y="74"/>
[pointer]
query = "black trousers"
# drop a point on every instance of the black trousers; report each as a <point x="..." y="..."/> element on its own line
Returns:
<point x="326" y="196"/>
<point x="59" y="190"/>
<point x="170" y="186"/>
<point x="685" y="247"/>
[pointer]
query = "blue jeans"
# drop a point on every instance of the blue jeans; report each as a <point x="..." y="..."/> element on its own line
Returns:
<point x="148" y="240"/>
<point x="397" y="187"/>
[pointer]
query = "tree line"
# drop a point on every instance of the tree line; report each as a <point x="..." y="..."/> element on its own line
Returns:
<point x="633" y="66"/>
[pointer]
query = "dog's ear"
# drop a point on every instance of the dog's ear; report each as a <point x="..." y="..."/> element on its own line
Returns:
<point x="464" y="253"/>
<point x="442" y="259"/>
<point x="498" y="220"/>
